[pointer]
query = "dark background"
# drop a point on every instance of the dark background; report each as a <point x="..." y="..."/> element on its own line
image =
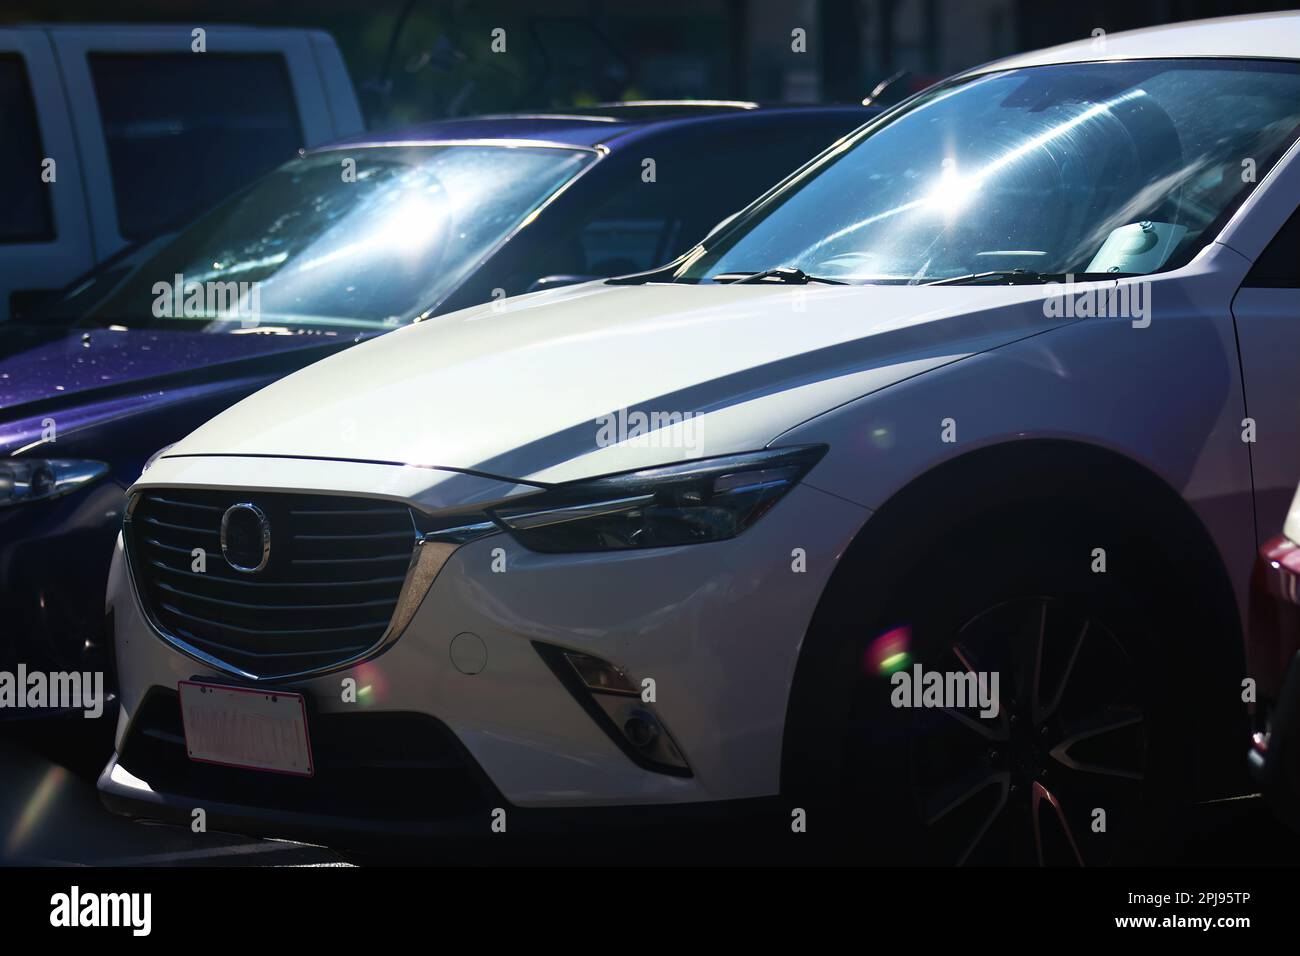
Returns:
<point x="562" y="52"/>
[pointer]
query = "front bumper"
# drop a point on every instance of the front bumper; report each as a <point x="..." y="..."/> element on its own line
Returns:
<point x="718" y="627"/>
<point x="53" y="568"/>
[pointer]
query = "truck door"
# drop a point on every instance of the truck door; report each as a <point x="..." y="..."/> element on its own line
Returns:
<point x="44" y="231"/>
<point x="171" y="123"/>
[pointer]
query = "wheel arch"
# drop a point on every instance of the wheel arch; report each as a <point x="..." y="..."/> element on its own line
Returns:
<point x="981" y="486"/>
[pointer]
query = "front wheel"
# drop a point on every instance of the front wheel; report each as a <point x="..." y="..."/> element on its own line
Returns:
<point x="1009" y="704"/>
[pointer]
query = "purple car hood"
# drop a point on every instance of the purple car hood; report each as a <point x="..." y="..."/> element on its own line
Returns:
<point x="38" y="364"/>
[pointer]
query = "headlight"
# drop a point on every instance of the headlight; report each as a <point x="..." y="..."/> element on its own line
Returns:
<point x="34" y="479"/>
<point x="708" y="500"/>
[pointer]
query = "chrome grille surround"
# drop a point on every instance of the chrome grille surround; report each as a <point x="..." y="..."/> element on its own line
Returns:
<point x="345" y="577"/>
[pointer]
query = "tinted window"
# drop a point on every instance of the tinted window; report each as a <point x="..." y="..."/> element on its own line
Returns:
<point x="24" y="198"/>
<point x="185" y="130"/>
<point x="645" y="224"/>
<point x="1278" y="266"/>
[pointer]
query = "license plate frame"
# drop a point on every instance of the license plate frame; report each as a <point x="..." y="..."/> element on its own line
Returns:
<point x="284" y="748"/>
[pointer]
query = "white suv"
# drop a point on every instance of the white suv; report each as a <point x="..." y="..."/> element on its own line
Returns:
<point x="920" y="492"/>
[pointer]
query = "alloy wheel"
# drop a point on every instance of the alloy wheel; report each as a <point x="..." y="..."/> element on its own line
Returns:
<point x="1057" y="776"/>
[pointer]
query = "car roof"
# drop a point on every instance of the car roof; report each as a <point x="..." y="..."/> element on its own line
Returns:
<point x="1274" y="36"/>
<point x="150" y="27"/>
<point x="598" y="129"/>
<point x="640" y="110"/>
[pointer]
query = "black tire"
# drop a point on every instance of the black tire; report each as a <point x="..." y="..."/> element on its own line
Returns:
<point x="917" y="784"/>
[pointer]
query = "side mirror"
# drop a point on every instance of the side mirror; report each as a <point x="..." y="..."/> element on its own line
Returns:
<point x="555" y="281"/>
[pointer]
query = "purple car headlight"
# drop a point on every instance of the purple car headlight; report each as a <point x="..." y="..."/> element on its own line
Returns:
<point x="38" y="479"/>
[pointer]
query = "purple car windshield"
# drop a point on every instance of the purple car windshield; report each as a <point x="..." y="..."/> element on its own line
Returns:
<point x="363" y="238"/>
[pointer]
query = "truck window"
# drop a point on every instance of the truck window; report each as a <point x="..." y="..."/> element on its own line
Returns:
<point x="186" y="130"/>
<point x="24" y="198"/>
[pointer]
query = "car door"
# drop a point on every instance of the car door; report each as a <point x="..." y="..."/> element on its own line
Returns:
<point x="44" y="231"/>
<point x="167" y="131"/>
<point x="1267" y="314"/>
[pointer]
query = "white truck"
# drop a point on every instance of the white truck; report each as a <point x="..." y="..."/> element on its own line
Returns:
<point x="115" y="134"/>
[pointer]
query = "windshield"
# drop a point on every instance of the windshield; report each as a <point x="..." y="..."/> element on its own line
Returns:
<point x="1122" y="167"/>
<point x="321" y="241"/>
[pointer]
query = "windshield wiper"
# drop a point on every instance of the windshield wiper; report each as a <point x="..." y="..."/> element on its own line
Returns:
<point x="784" y="274"/>
<point x="1028" y="277"/>
<point x="658" y="274"/>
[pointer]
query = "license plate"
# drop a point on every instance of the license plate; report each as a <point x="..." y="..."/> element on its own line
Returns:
<point x="241" y="727"/>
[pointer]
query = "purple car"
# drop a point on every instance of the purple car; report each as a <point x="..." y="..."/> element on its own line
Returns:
<point x="345" y="242"/>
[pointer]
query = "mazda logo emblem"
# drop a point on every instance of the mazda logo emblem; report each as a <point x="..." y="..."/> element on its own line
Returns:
<point x="245" y="537"/>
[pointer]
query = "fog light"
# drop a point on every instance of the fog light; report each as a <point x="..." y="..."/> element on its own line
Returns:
<point x="641" y="731"/>
<point x="613" y="700"/>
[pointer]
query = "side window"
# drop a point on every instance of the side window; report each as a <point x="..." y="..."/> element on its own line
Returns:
<point x="24" y="198"/>
<point x="1278" y="266"/>
<point x="645" y="224"/>
<point x="628" y="233"/>
<point x="186" y="130"/>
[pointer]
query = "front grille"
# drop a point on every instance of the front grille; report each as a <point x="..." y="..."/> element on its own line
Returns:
<point x="326" y="595"/>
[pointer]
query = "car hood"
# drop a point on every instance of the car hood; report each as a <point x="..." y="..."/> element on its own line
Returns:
<point x="41" y="364"/>
<point x="547" y="387"/>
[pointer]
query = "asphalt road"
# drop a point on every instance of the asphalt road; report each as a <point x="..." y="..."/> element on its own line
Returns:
<point x="50" y="815"/>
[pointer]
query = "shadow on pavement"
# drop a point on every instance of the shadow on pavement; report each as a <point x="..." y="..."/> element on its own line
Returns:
<point x="50" y="814"/>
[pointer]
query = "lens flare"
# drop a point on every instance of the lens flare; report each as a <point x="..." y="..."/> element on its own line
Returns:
<point x="372" y="684"/>
<point x="889" y="652"/>
<point x="36" y="811"/>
